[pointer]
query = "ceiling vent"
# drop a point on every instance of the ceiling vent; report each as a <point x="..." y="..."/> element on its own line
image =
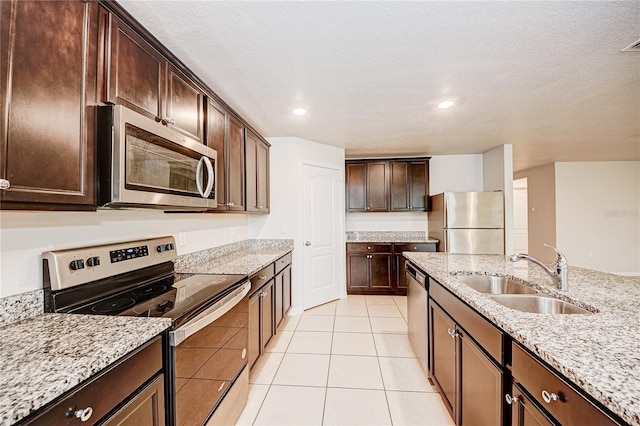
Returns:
<point x="633" y="47"/>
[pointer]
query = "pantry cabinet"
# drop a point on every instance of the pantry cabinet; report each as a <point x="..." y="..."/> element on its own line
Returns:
<point x="48" y="62"/>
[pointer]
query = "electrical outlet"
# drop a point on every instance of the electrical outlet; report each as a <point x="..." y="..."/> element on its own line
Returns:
<point x="284" y="228"/>
<point x="590" y="254"/>
<point x="182" y="239"/>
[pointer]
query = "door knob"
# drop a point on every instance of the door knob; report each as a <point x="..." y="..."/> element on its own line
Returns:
<point x="307" y="243"/>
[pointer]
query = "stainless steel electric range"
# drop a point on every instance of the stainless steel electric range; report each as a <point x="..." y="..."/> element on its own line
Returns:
<point x="207" y="356"/>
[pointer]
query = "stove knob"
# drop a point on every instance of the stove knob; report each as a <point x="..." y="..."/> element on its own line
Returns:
<point x="161" y="248"/>
<point x="170" y="246"/>
<point x="93" y="261"/>
<point x="75" y="265"/>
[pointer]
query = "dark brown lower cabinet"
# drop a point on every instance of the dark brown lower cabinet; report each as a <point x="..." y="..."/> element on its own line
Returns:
<point x="282" y="295"/>
<point x="468" y="379"/>
<point x="524" y="412"/>
<point x="481" y="385"/>
<point x="378" y="268"/>
<point x="369" y="273"/>
<point x="136" y="384"/>
<point x="261" y="328"/>
<point x="443" y="356"/>
<point x="146" y="408"/>
<point x="549" y="396"/>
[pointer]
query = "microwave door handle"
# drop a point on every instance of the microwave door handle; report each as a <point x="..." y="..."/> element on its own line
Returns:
<point x="199" y="177"/>
<point x="212" y="177"/>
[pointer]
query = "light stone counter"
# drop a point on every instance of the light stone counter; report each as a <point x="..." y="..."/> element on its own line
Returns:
<point x="389" y="237"/>
<point x="43" y="357"/>
<point x="600" y="353"/>
<point x="244" y="258"/>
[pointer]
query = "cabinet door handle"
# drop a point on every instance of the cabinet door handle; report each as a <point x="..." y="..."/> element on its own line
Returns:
<point x="307" y="243"/>
<point x="549" y="397"/>
<point x="260" y="207"/>
<point x="262" y="277"/>
<point x="221" y="386"/>
<point x="4" y="184"/>
<point x="452" y="333"/>
<point x="83" y="415"/>
<point x="511" y="399"/>
<point x="231" y="204"/>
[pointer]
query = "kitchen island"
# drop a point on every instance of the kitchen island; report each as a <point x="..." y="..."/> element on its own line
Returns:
<point x="598" y="353"/>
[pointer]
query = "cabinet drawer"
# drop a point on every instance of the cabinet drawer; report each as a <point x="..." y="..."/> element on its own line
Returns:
<point x="482" y="331"/>
<point x="262" y="276"/>
<point x="108" y="389"/>
<point x="399" y="248"/>
<point x="368" y="248"/>
<point x="570" y="408"/>
<point x="283" y="262"/>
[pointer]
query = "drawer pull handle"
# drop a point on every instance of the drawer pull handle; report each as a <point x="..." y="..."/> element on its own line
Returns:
<point x="549" y="397"/>
<point x="83" y="415"/>
<point x="511" y="399"/>
<point x="452" y="333"/>
<point x="262" y="277"/>
<point x="244" y="353"/>
<point x="221" y="386"/>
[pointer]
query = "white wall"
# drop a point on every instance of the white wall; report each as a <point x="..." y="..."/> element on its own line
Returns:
<point x="497" y="166"/>
<point x="455" y="173"/>
<point x="25" y="235"/>
<point x="287" y="155"/>
<point x="598" y="214"/>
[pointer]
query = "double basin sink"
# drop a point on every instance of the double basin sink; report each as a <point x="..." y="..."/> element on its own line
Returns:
<point x="518" y="296"/>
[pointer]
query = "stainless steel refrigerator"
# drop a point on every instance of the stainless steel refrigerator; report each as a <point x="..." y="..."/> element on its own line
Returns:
<point x="468" y="222"/>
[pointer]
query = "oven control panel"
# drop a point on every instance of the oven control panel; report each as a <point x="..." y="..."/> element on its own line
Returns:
<point x="71" y="267"/>
<point x="130" y="253"/>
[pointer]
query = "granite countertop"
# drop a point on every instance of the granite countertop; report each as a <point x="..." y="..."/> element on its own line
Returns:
<point x="244" y="259"/>
<point x="45" y="356"/>
<point x="600" y="353"/>
<point x="389" y="237"/>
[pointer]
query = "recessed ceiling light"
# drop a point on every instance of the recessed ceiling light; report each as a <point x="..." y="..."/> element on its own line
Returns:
<point x="299" y="111"/>
<point x="445" y="104"/>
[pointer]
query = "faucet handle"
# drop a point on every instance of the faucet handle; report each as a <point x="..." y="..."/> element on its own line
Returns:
<point x="560" y="258"/>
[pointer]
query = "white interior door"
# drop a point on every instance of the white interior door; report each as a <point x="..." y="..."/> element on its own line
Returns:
<point x="322" y="231"/>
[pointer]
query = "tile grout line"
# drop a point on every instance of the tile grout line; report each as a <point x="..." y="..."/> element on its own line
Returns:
<point x="274" y="375"/>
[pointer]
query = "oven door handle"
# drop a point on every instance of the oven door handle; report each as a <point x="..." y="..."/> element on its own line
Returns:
<point x="210" y="315"/>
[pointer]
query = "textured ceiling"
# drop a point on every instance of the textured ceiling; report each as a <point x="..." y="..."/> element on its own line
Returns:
<point x="547" y="77"/>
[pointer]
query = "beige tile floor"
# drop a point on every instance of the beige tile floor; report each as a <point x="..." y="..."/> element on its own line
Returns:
<point x="348" y="362"/>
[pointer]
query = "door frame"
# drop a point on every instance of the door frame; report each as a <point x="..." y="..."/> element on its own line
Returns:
<point x="299" y="238"/>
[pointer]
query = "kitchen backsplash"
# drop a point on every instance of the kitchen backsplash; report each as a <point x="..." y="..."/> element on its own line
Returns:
<point x="403" y="221"/>
<point x="21" y="306"/>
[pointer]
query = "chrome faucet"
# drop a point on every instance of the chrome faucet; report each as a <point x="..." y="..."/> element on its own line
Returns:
<point x="559" y="271"/>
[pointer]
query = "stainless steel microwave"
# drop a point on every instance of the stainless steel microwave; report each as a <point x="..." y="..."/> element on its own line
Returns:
<point x="143" y="163"/>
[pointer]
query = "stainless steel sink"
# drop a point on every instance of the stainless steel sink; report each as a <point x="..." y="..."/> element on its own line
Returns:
<point x="492" y="284"/>
<point x="538" y="304"/>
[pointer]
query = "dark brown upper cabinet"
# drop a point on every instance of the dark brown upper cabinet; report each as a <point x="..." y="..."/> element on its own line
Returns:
<point x="139" y="77"/>
<point x="409" y="187"/>
<point x="257" y="173"/>
<point x="225" y="134"/>
<point x="48" y="62"/>
<point x="387" y="185"/>
<point x="367" y="186"/>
